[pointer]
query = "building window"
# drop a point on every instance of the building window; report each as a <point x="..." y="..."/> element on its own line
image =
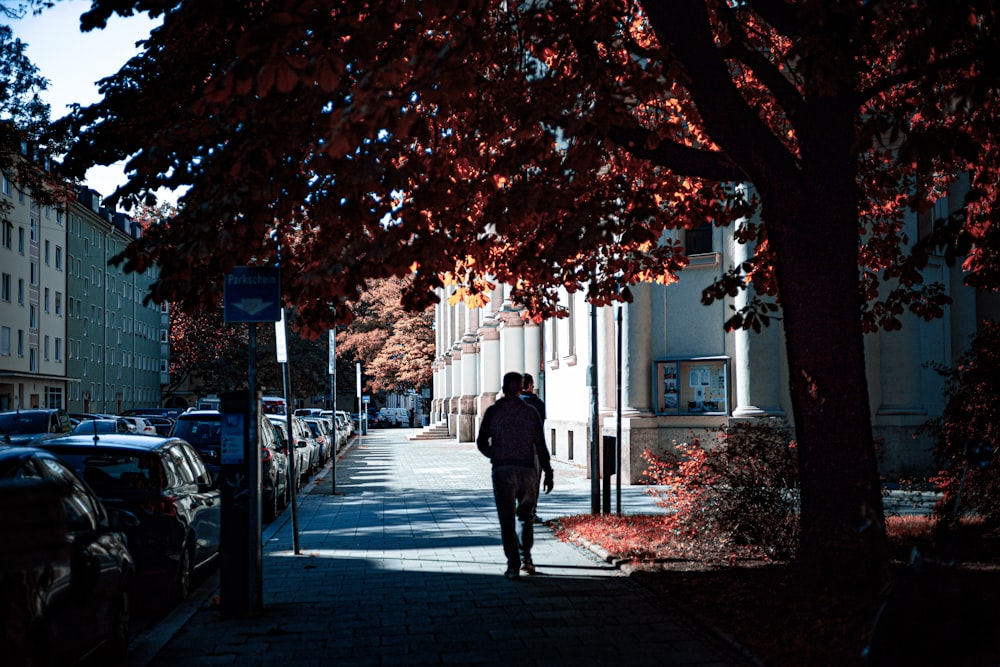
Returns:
<point x="20" y="343"/>
<point x="33" y="317"/>
<point x="33" y="360"/>
<point x="5" y="185"/>
<point x="33" y="225"/>
<point x="34" y="273"/>
<point x="45" y="300"/>
<point x="5" y="341"/>
<point x="20" y="291"/>
<point x="59" y="216"/>
<point x="48" y="249"/>
<point x="59" y="265"/>
<point x="58" y="350"/>
<point x="6" y="287"/>
<point x="45" y="348"/>
<point x="698" y="241"/>
<point x="58" y="304"/>
<point x="54" y="398"/>
<point x="8" y="234"/>
<point x="20" y="240"/>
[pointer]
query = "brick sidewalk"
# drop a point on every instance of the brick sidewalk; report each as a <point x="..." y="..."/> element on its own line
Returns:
<point x="404" y="567"/>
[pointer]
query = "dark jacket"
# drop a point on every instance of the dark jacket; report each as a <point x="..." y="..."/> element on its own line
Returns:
<point x="535" y="402"/>
<point x="511" y="434"/>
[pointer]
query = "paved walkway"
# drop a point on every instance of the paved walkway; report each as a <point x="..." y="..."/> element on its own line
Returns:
<point x="404" y="567"/>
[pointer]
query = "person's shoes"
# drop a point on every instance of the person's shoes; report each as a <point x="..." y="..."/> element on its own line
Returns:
<point x="538" y="519"/>
<point x="528" y="567"/>
<point x="512" y="573"/>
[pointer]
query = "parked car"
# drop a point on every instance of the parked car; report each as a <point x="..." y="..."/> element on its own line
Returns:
<point x="163" y="482"/>
<point x="162" y="425"/>
<point x="66" y="573"/>
<point x="99" y="426"/>
<point x="343" y="414"/>
<point x="321" y="432"/>
<point x="170" y="413"/>
<point x="203" y="429"/>
<point x="141" y="425"/>
<point x="19" y="427"/>
<point x="304" y="445"/>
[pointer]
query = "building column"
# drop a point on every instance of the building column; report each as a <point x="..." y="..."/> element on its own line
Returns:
<point x="511" y="341"/>
<point x="637" y="356"/>
<point x="489" y="365"/>
<point x="756" y="370"/>
<point x="533" y="350"/>
<point x="640" y="427"/>
<point x="469" y="347"/>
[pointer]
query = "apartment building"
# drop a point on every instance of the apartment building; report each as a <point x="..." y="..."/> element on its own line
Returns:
<point x="117" y="345"/>
<point x="33" y="371"/>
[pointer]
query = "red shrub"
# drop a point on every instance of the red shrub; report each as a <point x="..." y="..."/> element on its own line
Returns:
<point x="741" y="494"/>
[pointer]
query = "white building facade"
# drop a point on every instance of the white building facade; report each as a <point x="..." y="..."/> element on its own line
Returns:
<point x="682" y="375"/>
<point x="32" y="302"/>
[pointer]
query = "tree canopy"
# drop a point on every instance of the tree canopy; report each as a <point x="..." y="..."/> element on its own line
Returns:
<point x="24" y="119"/>
<point x="553" y="145"/>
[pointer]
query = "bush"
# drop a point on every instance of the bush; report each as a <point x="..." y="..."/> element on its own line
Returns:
<point x="972" y="395"/>
<point x="742" y="493"/>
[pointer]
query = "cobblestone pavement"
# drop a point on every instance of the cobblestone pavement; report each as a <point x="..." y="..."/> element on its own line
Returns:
<point x="403" y="566"/>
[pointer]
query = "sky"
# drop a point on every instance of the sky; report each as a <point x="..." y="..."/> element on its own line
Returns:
<point x="73" y="62"/>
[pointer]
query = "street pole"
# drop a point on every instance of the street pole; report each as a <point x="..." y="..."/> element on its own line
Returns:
<point x="595" y="435"/>
<point x="333" y="406"/>
<point x="254" y="594"/>
<point x="618" y="417"/>
<point x="281" y="348"/>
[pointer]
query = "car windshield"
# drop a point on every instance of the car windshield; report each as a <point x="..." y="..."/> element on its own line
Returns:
<point x="199" y="431"/>
<point x="96" y="425"/>
<point x="15" y="423"/>
<point x="114" y="471"/>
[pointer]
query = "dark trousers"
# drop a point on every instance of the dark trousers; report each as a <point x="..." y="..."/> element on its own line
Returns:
<point x="515" y="490"/>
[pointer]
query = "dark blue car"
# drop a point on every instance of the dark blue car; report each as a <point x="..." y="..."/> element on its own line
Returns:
<point x="66" y="574"/>
<point x="164" y="483"/>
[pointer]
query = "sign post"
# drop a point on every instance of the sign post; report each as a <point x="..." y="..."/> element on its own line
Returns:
<point x="251" y="294"/>
<point x="281" y="352"/>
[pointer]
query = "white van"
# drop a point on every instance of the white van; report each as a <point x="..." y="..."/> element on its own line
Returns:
<point x="395" y="416"/>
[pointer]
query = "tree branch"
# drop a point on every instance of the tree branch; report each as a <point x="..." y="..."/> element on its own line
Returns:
<point x="677" y="157"/>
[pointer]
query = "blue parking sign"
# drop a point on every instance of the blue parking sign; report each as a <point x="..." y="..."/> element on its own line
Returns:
<point x="252" y="294"/>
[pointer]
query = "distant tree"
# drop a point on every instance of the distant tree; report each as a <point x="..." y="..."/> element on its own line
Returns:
<point x="394" y="346"/>
<point x="558" y="144"/>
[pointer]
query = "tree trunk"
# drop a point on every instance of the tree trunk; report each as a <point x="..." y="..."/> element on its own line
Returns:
<point x="813" y="229"/>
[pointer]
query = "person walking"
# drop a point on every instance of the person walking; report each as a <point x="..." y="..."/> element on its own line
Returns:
<point x="511" y="437"/>
<point x="529" y="396"/>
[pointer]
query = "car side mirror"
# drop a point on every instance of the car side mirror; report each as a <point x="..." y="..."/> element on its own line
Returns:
<point x="119" y="519"/>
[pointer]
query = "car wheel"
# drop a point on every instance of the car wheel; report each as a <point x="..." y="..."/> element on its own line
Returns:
<point x="182" y="582"/>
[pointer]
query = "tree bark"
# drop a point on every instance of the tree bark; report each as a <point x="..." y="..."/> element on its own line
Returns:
<point x="813" y="228"/>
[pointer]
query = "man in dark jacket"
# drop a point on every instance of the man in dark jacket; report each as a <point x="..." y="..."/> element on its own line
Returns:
<point x="511" y="437"/>
<point x="529" y="396"/>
